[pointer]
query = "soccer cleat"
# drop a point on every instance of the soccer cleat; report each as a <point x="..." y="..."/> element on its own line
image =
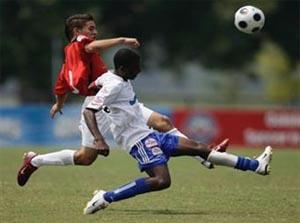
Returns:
<point x="96" y="203"/>
<point x="27" y="168"/>
<point x="264" y="161"/>
<point x="220" y="148"/>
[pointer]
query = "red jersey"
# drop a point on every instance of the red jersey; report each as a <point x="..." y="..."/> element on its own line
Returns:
<point x="79" y="69"/>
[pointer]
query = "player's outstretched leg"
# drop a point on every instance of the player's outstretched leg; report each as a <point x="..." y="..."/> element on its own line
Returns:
<point x="32" y="161"/>
<point x="159" y="179"/>
<point x="26" y="169"/>
<point x="260" y="165"/>
<point x="220" y="148"/>
<point x="102" y="199"/>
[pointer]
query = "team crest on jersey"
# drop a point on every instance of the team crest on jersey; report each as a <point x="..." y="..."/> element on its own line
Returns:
<point x="156" y="150"/>
<point x="150" y="142"/>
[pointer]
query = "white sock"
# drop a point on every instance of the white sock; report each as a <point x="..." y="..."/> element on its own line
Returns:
<point x="60" y="158"/>
<point x="176" y="132"/>
<point x="223" y="159"/>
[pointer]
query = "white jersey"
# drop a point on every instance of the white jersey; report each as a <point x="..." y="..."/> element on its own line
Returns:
<point x="127" y="123"/>
<point x="100" y="116"/>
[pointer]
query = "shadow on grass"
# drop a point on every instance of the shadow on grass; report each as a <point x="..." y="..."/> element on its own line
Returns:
<point x="159" y="212"/>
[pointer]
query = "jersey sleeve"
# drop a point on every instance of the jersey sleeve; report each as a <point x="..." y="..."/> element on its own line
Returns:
<point x="61" y="86"/>
<point x="106" y="96"/>
<point x="84" y="40"/>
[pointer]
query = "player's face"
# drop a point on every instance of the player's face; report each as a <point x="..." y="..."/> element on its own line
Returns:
<point x="90" y="30"/>
<point x="132" y="71"/>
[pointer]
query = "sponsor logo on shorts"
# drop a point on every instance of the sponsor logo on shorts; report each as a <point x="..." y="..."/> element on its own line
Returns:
<point x="156" y="150"/>
<point x="150" y="142"/>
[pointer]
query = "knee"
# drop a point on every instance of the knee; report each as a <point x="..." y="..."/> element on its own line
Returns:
<point x="162" y="183"/>
<point x="163" y="124"/>
<point x="84" y="159"/>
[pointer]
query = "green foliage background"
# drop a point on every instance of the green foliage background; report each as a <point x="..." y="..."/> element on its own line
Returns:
<point x="190" y="30"/>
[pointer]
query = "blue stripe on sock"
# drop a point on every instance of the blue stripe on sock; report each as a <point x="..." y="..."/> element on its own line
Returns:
<point x="128" y="190"/>
<point x="246" y="164"/>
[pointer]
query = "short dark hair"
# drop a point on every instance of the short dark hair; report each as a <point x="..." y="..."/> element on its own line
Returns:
<point x="125" y="57"/>
<point x="78" y="21"/>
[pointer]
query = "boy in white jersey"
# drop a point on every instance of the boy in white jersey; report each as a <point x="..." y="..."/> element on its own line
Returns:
<point x="151" y="149"/>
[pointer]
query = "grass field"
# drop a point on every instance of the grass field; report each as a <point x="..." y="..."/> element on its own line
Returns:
<point x="58" y="194"/>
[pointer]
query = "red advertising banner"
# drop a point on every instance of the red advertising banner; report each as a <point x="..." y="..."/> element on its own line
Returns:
<point x="278" y="128"/>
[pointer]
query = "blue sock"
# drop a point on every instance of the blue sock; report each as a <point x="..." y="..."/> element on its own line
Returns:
<point x="246" y="164"/>
<point x="138" y="186"/>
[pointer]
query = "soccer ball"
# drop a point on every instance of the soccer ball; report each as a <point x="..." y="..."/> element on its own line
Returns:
<point x="249" y="19"/>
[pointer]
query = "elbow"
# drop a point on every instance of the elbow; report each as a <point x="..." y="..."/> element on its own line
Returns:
<point x="91" y="48"/>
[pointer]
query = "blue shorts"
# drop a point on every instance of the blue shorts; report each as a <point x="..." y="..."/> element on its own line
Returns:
<point x="154" y="150"/>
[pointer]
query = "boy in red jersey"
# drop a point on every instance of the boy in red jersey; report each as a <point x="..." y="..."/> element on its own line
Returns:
<point x="82" y="66"/>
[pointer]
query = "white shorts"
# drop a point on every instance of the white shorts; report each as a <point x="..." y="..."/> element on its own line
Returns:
<point x="87" y="139"/>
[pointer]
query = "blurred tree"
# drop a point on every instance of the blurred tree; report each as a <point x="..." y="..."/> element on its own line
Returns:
<point x="273" y="65"/>
<point x="25" y="46"/>
<point x="27" y="38"/>
<point x="201" y="31"/>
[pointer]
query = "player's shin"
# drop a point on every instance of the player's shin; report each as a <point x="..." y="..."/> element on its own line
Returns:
<point x="60" y="158"/>
<point x="237" y="162"/>
<point x="204" y="162"/>
<point x="132" y="189"/>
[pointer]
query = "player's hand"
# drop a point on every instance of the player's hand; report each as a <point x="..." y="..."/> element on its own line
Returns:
<point x="102" y="147"/>
<point x="94" y="86"/>
<point x="133" y="42"/>
<point x="55" y="108"/>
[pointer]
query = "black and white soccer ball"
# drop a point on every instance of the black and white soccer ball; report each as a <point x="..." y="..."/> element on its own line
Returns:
<point x="249" y="19"/>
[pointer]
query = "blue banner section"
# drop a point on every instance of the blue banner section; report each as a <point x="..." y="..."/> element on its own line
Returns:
<point x="31" y="125"/>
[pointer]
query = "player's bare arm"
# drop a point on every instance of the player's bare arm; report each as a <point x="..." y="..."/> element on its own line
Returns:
<point x="90" y="118"/>
<point x="59" y="104"/>
<point x="97" y="45"/>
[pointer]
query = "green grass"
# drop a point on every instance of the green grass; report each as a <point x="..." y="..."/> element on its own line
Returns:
<point x="58" y="194"/>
